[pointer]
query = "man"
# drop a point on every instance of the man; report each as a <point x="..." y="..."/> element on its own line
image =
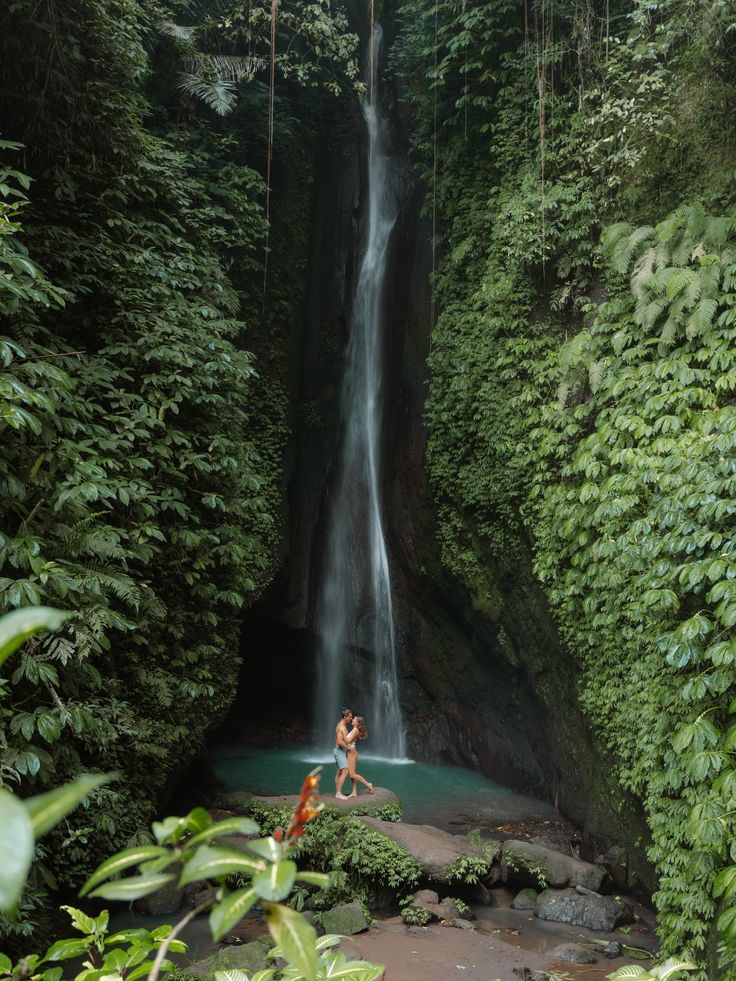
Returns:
<point x="340" y="754"/>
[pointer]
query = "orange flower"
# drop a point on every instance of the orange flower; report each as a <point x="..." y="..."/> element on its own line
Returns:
<point x="308" y="807"/>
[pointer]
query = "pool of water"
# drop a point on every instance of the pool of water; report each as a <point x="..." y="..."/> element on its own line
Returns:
<point x="445" y="796"/>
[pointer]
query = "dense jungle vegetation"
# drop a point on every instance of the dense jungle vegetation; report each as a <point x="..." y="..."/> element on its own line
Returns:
<point x="581" y="165"/>
<point x="141" y="447"/>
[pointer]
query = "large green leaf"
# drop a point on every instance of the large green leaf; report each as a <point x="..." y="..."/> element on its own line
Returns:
<point x="46" y="810"/>
<point x="18" y="626"/>
<point x="63" y="950"/>
<point x="230" y="826"/>
<point x="17" y="850"/>
<point x="231" y="910"/>
<point x="133" y="888"/>
<point x="212" y="863"/>
<point x="296" y="937"/>
<point x="276" y="882"/>
<point x="120" y="862"/>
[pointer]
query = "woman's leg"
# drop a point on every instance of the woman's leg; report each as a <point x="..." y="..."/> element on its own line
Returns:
<point x="355" y="776"/>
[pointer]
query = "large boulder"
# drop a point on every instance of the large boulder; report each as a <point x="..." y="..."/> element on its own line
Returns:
<point x="528" y="864"/>
<point x="435" y="850"/>
<point x="362" y="804"/>
<point x="525" y="899"/>
<point x="602" y="913"/>
<point x="346" y="919"/>
<point x="249" y="958"/>
<point x="167" y="899"/>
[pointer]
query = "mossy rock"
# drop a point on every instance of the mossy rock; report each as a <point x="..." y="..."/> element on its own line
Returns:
<point x="345" y="920"/>
<point x="250" y="958"/>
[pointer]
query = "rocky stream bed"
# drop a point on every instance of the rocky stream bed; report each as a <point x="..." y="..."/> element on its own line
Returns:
<point x="540" y="913"/>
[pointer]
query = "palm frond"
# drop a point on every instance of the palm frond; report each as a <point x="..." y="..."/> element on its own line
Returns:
<point x="182" y="34"/>
<point x="218" y="95"/>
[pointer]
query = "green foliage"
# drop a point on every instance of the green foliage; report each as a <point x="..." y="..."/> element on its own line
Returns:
<point x="670" y="970"/>
<point x="469" y="869"/>
<point x="186" y="849"/>
<point x="140" y="457"/>
<point x="415" y="916"/>
<point x="582" y="397"/>
<point x="359" y="861"/>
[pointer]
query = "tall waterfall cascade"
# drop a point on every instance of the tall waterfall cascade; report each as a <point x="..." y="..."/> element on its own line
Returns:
<point x="354" y="609"/>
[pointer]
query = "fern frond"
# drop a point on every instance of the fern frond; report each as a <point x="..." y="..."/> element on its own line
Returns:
<point x="225" y="68"/>
<point x="179" y="32"/>
<point x="679" y="280"/>
<point x="701" y="319"/>
<point x="596" y="372"/>
<point x="643" y="269"/>
<point x="563" y="394"/>
<point x="667" y="335"/>
<point x="218" y="95"/>
<point x="612" y="238"/>
<point x="648" y="314"/>
<point x="695" y="225"/>
<point x="572" y="352"/>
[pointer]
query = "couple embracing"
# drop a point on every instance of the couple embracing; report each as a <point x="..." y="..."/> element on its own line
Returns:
<point x="346" y="753"/>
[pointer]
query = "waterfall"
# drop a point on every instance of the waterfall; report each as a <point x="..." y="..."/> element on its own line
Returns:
<point x="354" y="609"/>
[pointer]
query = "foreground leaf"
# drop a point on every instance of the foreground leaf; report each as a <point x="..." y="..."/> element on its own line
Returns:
<point x="46" y="810"/>
<point x="231" y="910"/>
<point x="230" y="826"/>
<point x="123" y="860"/>
<point x="211" y="863"/>
<point x="275" y="883"/>
<point x="296" y="937"/>
<point x="133" y="888"/>
<point x="17" y="836"/>
<point x="18" y="626"/>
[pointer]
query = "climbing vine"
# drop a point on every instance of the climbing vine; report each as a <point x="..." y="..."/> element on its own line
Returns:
<point x="582" y="394"/>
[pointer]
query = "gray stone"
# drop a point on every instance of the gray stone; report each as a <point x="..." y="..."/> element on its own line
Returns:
<point x="481" y="894"/>
<point x="574" y="953"/>
<point x="602" y="913"/>
<point x="613" y="949"/>
<point x="616" y="862"/>
<point x="459" y="923"/>
<point x="414" y="928"/>
<point x="435" y="850"/>
<point x="528" y="864"/>
<point x="166" y="900"/>
<point x="426" y="897"/>
<point x="250" y="958"/>
<point x="525" y="899"/>
<point x="346" y="919"/>
<point x="446" y="910"/>
<point x="362" y="804"/>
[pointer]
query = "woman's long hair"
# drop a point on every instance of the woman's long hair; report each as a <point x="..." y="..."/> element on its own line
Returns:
<point x="359" y="723"/>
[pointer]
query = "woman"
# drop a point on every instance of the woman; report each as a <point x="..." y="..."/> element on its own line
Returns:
<point x="358" y="731"/>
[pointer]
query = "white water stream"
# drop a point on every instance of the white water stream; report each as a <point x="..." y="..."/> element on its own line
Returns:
<point x="354" y="609"/>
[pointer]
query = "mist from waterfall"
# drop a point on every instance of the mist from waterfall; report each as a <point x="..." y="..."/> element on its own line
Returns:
<point x="354" y="609"/>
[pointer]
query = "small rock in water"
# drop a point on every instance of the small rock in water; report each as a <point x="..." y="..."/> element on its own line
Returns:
<point x="525" y="899"/>
<point x="612" y="949"/>
<point x="574" y="953"/>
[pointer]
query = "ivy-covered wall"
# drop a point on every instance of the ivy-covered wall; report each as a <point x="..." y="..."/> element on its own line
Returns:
<point x="582" y="395"/>
<point x="144" y="367"/>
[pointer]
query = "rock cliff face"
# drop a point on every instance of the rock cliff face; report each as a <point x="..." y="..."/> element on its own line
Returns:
<point x="484" y="681"/>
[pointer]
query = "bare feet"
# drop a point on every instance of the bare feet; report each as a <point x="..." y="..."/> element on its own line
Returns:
<point x="342" y="797"/>
<point x="351" y="795"/>
<point x="370" y="788"/>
